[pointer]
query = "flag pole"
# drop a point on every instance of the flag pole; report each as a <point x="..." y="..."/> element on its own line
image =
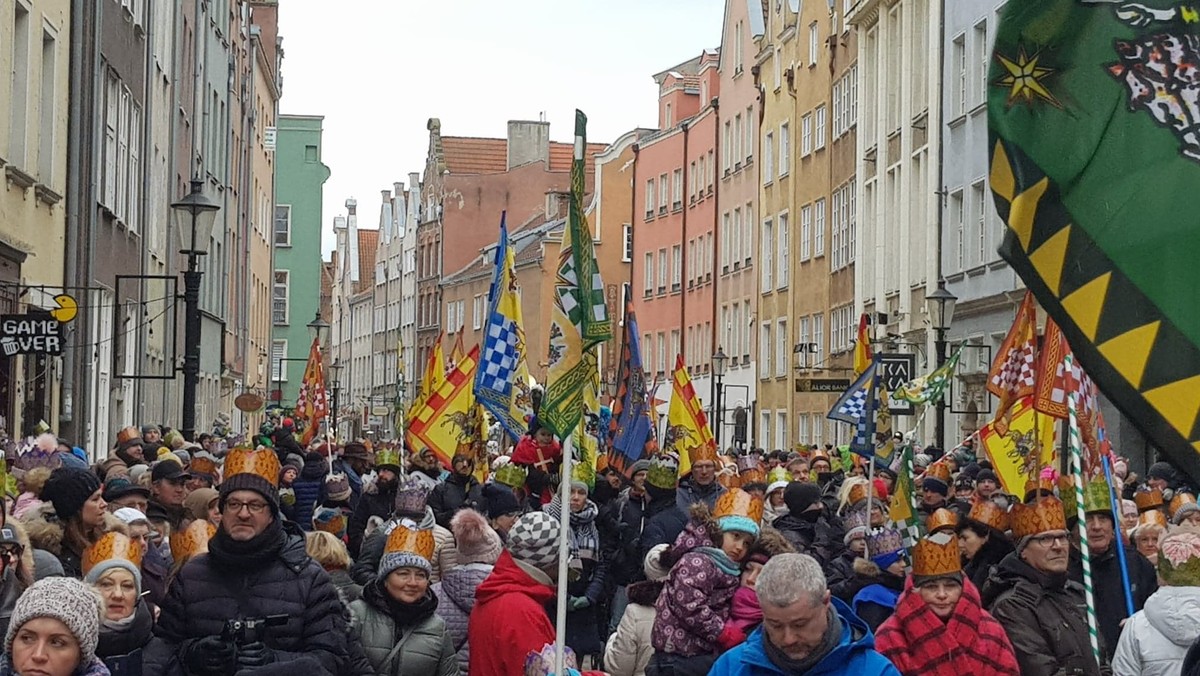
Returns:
<point x="564" y="553"/>
<point x="1119" y="542"/>
<point x="1077" y="470"/>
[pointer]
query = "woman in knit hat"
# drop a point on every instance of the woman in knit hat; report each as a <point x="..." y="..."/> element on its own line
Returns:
<point x="334" y="512"/>
<point x="478" y="548"/>
<point x="628" y="650"/>
<point x="588" y="570"/>
<point x="939" y="627"/>
<point x="881" y="575"/>
<point x="72" y="521"/>
<point x="330" y="551"/>
<point x="395" y="621"/>
<point x="54" y="630"/>
<point x="1156" y="639"/>
<point x="113" y="567"/>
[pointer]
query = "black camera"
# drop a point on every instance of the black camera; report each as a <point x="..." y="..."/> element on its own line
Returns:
<point x="243" y="631"/>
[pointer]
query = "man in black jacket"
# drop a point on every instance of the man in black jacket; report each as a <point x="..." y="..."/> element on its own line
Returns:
<point x="460" y="489"/>
<point x="808" y="526"/>
<point x="256" y="571"/>
<point x="621" y="524"/>
<point x="377" y="499"/>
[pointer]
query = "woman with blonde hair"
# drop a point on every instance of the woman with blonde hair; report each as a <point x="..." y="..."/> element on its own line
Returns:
<point x="329" y="551"/>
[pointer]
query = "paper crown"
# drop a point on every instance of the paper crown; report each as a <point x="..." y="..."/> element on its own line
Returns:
<point x="192" y="540"/>
<point x="388" y="457"/>
<point x="412" y="496"/>
<point x="1097" y="498"/>
<point x="704" y="452"/>
<point x="1041" y="516"/>
<point x="737" y="502"/>
<point x="1153" y="517"/>
<point x="405" y="540"/>
<point x="778" y="474"/>
<point x="330" y="521"/>
<point x="262" y="463"/>
<point x="941" y="518"/>
<point x="1066" y="493"/>
<point x="858" y="493"/>
<point x="1179" y="501"/>
<point x="512" y="475"/>
<point x="819" y="455"/>
<point x="663" y="472"/>
<point x="747" y="462"/>
<point x="128" y="434"/>
<point x="883" y="541"/>
<point x="989" y="514"/>
<point x="729" y="479"/>
<point x="753" y="475"/>
<point x="1179" y="559"/>
<point x="541" y="663"/>
<point x="112" y="545"/>
<point x="1045" y="485"/>
<point x="939" y="471"/>
<point x="1147" y="499"/>
<point x="936" y="555"/>
<point x="202" y="464"/>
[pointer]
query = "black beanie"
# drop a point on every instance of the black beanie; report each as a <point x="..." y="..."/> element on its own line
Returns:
<point x="500" y="500"/>
<point x="247" y="481"/>
<point x="68" y="488"/>
<point x="986" y="475"/>
<point x="800" y="495"/>
<point x="1161" y="470"/>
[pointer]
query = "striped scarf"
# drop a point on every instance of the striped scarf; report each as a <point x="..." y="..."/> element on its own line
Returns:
<point x="585" y="539"/>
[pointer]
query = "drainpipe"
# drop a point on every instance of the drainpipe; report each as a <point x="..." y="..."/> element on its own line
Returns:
<point x="716" y="331"/>
<point x="71" y="272"/>
<point x="683" y="293"/>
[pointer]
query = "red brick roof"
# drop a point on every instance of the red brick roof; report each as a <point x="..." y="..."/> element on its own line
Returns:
<point x="465" y="155"/>
<point x="368" y="240"/>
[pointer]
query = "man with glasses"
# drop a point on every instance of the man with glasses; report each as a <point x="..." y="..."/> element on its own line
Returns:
<point x="256" y="571"/>
<point x="1032" y="597"/>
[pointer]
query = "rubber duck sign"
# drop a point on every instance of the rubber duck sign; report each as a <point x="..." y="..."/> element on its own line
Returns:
<point x="37" y="331"/>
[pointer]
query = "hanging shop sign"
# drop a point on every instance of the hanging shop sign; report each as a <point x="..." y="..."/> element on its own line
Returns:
<point x="35" y="333"/>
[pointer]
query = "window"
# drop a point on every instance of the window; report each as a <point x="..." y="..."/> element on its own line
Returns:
<point x="648" y="275"/>
<point x="802" y="339"/>
<point x="765" y="349"/>
<point x="692" y="182"/>
<point x="737" y="48"/>
<point x="979" y="196"/>
<point x="677" y="189"/>
<point x="627" y="238"/>
<point x="478" y="308"/>
<point x="667" y="121"/>
<point x="802" y="436"/>
<point x="777" y="66"/>
<point x="781" y="429"/>
<point x="781" y="348"/>
<point x="785" y="149"/>
<point x="662" y="352"/>
<point x="725" y="240"/>
<point x="735" y="252"/>
<point x="768" y="265"/>
<point x="662" y="270"/>
<point x="819" y="128"/>
<point x="112" y="106"/>
<point x="648" y="354"/>
<point x="983" y="57"/>
<point x="814" y="41"/>
<point x="19" y="94"/>
<point x="818" y="339"/>
<point x="674" y="344"/>
<point x="848" y="243"/>
<point x="649" y="199"/>
<point x="764" y="429"/>
<point x="691" y="262"/>
<point x="819" y="228"/>
<point x="805" y="232"/>
<point x="727" y="147"/>
<point x="47" y="99"/>
<point x="737" y="140"/>
<point x="663" y="196"/>
<point x="278" y="354"/>
<point x="283" y="225"/>
<point x="959" y="62"/>
<point x="806" y="135"/>
<point x="700" y="177"/>
<point x="676" y="266"/>
<point x="751" y="131"/>
<point x="816" y="428"/>
<point x="768" y="171"/>
<point x="749" y="235"/>
<point x="708" y="166"/>
<point x="784" y="267"/>
<point x="745" y="328"/>
<point x="957" y="216"/>
<point x="279" y="306"/>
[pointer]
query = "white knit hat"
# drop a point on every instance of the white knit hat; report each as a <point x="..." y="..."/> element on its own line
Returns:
<point x="655" y="571"/>
<point x="67" y="600"/>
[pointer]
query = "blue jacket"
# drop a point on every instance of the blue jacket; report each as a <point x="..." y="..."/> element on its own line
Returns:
<point x="855" y="656"/>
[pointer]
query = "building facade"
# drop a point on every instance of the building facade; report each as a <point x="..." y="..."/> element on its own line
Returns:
<point x="296" y="235"/>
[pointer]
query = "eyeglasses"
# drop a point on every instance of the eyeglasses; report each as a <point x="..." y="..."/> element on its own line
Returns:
<point x="1050" y="539"/>
<point x="235" y="506"/>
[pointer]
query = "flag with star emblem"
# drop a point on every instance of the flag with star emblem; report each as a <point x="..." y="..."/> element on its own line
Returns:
<point x="1094" y="118"/>
<point x="929" y="389"/>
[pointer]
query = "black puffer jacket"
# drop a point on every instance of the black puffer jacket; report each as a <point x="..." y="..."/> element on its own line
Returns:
<point x="820" y="539"/>
<point x="204" y="596"/>
<point x="1109" y="589"/>
<point x="456" y="492"/>
<point x="621" y="523"/>
<point x="989" y="556"/>
<point x="373" y="502"/>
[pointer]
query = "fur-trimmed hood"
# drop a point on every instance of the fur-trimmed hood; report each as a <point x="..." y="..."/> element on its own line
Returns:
<point x="43" y="530"/>
<point x="24" y="570"/>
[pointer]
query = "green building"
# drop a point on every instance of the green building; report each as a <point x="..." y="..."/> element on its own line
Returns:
<point x="299" y="184"/>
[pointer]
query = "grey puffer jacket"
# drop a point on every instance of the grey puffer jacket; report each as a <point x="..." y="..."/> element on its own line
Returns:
<point x="1156" y="639"/>
<point x="422" y="649"/>
<point x="445" y="554"/>
<point x="456" y="599"/>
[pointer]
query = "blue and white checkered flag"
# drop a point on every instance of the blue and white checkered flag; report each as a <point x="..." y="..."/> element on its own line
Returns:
<point x="857" y="407"/>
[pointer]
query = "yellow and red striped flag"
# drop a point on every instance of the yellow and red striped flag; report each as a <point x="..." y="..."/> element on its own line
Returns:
<point x="311" y="403"/>
<point x="448" y="418"/>
<point x="862" y="347"/>
<point x="687" y="433"/>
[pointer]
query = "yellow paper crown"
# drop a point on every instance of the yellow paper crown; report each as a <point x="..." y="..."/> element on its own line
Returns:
<point x="417" y="541"/>
<point x="1153" y="517"/>
<point x="110" y="546"/>
<point x="1179" y="501"/>
<point x="1148" y="499"/>
<point x="1041" y="516"/>
<point x="705" y="452"/>
<point x="262" y="463"/>
<point x="737" y="502"/>
<point x="936" y="555"/>
<point x="939" y="471"/>
<point x="192" y="540"/>
<point x="941" y="518"/>
<point x="203" y="465"/>
<point x="989" y="514"/>
<point x="859" y="492"/>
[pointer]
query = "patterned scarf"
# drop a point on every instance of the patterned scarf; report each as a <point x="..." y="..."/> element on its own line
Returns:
<point x="585" y="539"/>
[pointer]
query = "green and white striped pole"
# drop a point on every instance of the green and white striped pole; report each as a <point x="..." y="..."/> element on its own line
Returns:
<point x="1076" y="444"/>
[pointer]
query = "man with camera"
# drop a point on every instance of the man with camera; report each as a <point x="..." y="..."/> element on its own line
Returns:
<point x="255" y="603"/>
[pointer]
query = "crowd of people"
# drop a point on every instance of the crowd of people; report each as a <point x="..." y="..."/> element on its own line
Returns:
<point x="179" y="558"/>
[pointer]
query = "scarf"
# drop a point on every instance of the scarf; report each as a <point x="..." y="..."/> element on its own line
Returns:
<point x="585" y="539"/>
<point x="831" y="639"/>
<point x="121" y="637"/>
<point x="746" y="613"/>
<point x="404" y="615"/>
<point x="721" y="559"/>
<point x="253" y="554"/>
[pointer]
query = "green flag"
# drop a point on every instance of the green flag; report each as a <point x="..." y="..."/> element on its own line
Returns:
<point x="1094" y="113"/>
<point x="930" y="388"/>
<point x="579" y="319"/>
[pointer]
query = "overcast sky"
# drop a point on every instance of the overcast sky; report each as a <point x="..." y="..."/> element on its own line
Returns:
<point x="379" y="69"/>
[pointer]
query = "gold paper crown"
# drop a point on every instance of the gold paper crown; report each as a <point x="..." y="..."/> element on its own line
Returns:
<point x="413" y="541"/>
<point x="1179" y="501"/>
<point x="335" y="524"/>
<point x="112" y="545"/>
<point x="729" y="480"/>
<point x="387" y="456"/>
<point x="705" y="452"/>
<point x="203" y="465"/>
<point x="192" y="540"/>
<point x="753" y="475"/>
<point x="128" y="434"/>
<point x="737" y="502"/>
<point x="819" y="455"/>
<point x="1096" y="497"/>
<point x="778" y="474"/>
<point x="939" y="471"/>
<point x="1148" y="499"/>
<point x="989" y="514"/>
<point x="262" y="463"/>
<point x="1045" y="485"/>
<point x="858" y="493"/>
<point x="941" y="518"/>
<point x="1153" y="517"/>
<point x="1041" y="516"/>
<point x="936" y="555"/>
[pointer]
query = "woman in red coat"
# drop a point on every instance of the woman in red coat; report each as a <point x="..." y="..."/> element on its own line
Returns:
<point x="939" y="627"/>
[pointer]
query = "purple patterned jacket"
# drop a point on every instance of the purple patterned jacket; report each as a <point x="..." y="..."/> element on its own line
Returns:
<point x="696" y="600"/>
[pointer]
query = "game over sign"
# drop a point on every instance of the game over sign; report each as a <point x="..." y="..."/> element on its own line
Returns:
<point x="30" y="334"/>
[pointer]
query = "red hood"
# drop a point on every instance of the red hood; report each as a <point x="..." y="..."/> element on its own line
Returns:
<point x="526" y="452"/>
<point x="508" y="578"/>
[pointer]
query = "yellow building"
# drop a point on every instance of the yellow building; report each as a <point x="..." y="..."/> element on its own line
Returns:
<point x="34" y="57"/>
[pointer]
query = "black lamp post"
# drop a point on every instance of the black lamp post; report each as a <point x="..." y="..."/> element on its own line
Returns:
<point x="719" y="362"/>
<point x="195" y="215"/>
<point x="940" y="305"/>
<point x="334" y="369"/>
<point x="319" y="330"/>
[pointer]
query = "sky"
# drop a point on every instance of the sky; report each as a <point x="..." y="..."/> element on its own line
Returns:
<point x="379" y="69"/>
